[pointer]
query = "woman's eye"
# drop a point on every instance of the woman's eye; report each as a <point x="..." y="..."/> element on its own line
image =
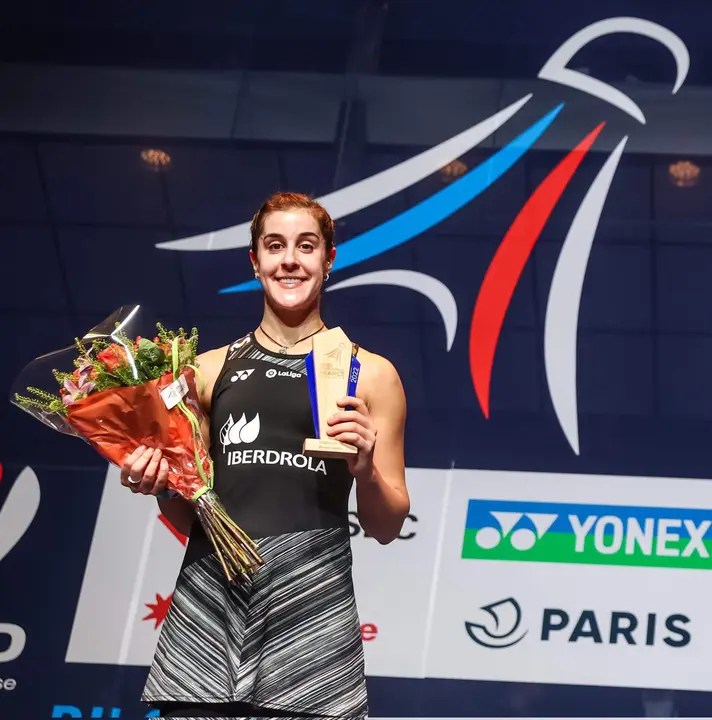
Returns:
<point x="306" y="247"/>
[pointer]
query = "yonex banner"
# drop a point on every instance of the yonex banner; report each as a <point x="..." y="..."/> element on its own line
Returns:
<point x="589" y="534"/>
<point x="574" y="579"/>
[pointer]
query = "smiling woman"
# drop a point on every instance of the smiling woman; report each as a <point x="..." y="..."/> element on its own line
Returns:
<point x="292" y="251"/>
<point x="288" y="642"/>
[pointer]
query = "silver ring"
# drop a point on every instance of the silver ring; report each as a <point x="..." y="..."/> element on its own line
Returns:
<point x="134" y="482"/>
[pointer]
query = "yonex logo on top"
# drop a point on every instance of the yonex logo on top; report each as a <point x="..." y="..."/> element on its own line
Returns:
<point x="242" y="374"/>
<point x="588" y="534"/>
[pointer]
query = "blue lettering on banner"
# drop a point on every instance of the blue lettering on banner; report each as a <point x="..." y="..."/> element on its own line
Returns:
<point x="71" y="711"/>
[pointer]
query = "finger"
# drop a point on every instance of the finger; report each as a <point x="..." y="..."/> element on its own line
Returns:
<point x="354" y="402"/>
<point x="162" y="480"/>
<point x="149" y="475"/>
<point x="349" y="416"/>
<point x="159" y="487"/>
<point x="140" y="465"/>
<point x="163" y="471"/>
<point x="352" y="439"/>
<point x="342" y="427"/>
<point x="128" y="462"/>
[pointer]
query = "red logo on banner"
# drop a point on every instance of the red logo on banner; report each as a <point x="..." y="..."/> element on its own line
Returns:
<point x="159" y="608"/>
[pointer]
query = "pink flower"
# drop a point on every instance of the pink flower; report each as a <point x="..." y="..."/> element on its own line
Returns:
<point x="79" y="390"/>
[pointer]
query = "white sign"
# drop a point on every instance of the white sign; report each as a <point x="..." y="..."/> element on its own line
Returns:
<point x="586" y="580"/>
<point x="394" y="582"/>
<point x="130" y="576"/>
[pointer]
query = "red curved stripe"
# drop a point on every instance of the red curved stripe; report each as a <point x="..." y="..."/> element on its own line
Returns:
<point x="507" y="265"/>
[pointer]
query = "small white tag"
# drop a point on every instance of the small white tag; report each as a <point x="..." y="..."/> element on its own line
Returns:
<point x="175" y="392"/>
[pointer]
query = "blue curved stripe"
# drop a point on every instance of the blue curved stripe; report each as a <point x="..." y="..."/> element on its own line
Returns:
<point x="432" y="210"/>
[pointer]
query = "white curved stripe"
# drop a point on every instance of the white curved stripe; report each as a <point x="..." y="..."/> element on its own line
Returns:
<point x="438" y="293"/>
<point x="561" y="326"/>
<point x="19" y="510"/>
<point x="555" y="69"/>
<point x="370" y="190"/>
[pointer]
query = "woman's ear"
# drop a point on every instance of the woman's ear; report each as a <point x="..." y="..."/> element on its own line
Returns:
<point x="255" y="266"/>
<point x="330" y="257"/>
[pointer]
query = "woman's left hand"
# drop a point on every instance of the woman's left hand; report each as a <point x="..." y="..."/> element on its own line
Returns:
<point x="356" y="428"/>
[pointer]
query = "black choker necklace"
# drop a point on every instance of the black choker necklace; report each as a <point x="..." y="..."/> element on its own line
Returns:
<point x="283" y="348"/>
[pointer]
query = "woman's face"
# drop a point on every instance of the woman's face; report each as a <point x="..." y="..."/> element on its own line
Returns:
<point x="291" y="259"/>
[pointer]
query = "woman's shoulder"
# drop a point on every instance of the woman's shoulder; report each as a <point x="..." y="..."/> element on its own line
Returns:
<point x="212" y="360"/>
<point x="375" y="362"/>
<point x="377" y="372"/>
<point x="210" y="363"/>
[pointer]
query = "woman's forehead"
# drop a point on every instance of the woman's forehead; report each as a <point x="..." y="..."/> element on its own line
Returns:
<point x="290" y="222"/>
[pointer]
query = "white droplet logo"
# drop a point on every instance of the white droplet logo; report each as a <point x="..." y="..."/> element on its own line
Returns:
<point x="251" y="430"/>
<point x="243" y="431"/>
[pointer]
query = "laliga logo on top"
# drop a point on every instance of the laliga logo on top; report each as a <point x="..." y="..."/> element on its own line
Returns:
<point x="16" y="516"/>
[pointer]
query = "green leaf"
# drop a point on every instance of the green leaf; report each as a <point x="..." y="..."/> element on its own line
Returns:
<point x="149" y="353"/>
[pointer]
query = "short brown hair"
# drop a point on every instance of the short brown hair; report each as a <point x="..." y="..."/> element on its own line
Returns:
<point x="292" y="201"/>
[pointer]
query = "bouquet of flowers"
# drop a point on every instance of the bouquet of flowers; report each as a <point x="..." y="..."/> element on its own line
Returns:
<point x="125" y="391"/>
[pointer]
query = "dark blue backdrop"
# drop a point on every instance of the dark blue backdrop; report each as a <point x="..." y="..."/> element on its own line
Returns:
<point x="81" y="213"/>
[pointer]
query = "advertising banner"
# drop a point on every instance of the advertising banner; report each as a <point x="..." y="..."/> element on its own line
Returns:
<point x="574" y="579"/>
<point x="394" y="583"/>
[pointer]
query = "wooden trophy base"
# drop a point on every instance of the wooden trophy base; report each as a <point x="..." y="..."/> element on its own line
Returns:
<point x="328" y="448"/>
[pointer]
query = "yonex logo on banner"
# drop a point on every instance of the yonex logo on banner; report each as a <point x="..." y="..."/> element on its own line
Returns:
<point x="588" y="534"/>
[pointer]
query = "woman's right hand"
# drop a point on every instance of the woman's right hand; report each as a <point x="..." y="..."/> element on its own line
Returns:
<point x="145" y="471"/>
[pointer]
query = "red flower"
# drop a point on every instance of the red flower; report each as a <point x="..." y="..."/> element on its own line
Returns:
<point x="112" y="357"/>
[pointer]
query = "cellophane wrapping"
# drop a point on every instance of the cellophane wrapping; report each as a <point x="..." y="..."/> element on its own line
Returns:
<point x="119" y="390"/>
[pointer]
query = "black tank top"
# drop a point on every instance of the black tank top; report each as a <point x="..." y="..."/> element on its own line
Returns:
<point x="288" y="639"/>
<point x="261" y="413"/>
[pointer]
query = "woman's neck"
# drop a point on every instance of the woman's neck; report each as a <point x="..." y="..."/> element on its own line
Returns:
<point x="288" y="329"/>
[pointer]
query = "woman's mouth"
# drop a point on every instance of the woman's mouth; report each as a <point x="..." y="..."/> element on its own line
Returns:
<point x="290" y="282"/>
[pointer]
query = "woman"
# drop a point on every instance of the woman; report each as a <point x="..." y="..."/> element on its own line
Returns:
<point x="288" y="642"/>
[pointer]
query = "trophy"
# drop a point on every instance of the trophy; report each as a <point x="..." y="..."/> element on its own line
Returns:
<point x="332" y="372"/>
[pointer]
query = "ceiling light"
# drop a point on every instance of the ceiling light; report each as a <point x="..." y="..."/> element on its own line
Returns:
<point x="453" y="170"/>
<point x="684" y="173"/>
<point x="155" y="159"/>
